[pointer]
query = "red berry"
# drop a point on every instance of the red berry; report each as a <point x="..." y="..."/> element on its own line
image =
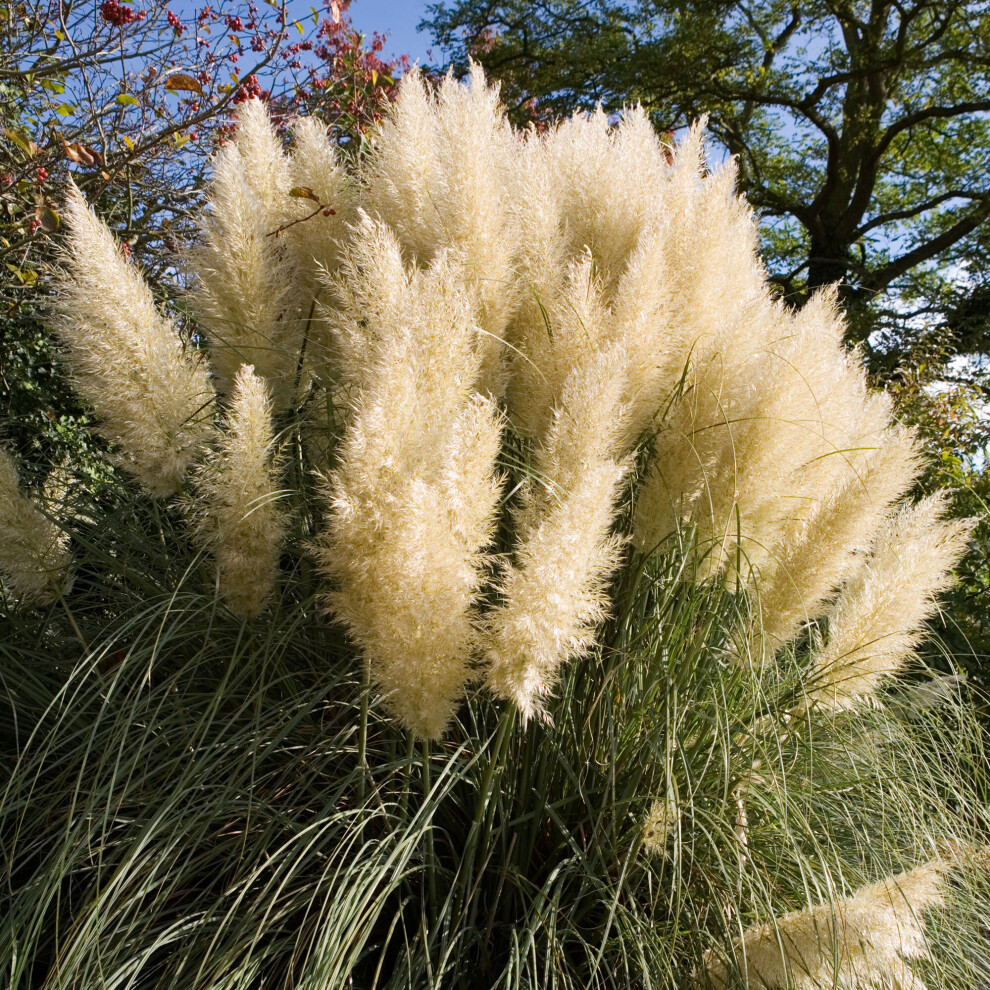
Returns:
<point x="118" y="15"/>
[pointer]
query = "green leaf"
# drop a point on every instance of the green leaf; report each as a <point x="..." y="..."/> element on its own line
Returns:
<point x="48" y="219"/>
<point x="126" y="100"/>
<point x="65" y="109"/>
<point x="19" y="138"/>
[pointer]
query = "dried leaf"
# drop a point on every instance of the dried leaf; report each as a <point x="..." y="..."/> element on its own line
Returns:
<point x="82" y="154"/>
<point x="183" y="81"/>
<point x="303" y="192"/>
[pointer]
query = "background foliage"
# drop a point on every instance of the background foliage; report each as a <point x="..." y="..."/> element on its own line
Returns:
<point x="130" y="100"/>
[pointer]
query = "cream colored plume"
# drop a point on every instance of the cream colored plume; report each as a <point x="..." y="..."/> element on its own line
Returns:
<point x="767" y="446"/>
<point x="237" y="512"/>
<point x="879" y="617"/>
<point x="441" y="177"/>
<point x="607" y="180"/>
<point x="150" y="390"/>
<point x="34" y="557"/>
<point x="320" y="207"/>
<point x="587" y="196"/>
<point x="314" y="238"/>
<point x="553" y="595"/>
<point x="819" y="550"/>
<point x="245" y="291"/>
<point x="862" y="942"/>
<point x="414" y="496"/>
<point x="370" y="297"/>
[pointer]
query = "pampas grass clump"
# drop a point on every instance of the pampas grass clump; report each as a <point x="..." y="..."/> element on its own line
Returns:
<point x="510" y="591"/>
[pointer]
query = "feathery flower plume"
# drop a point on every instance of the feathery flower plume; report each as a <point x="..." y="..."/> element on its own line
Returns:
<point x="767" y="432"/>
<point x="816" y="556"/>
<point x="150" y="391"/>
<point x="660" y="825"/>
<point x="606" y="180"/>
<point x="244" y="293"/>
<point x="554" y="595"/>
<point x="574" y="326"/>
<point x="34" y="558"/>
<point x="236" y="513"/>
<point x="366" y="307"/>
<point x="721" y="384"/>
<point x="414" y="496"/>
<point x="324" y="203"/>
<point x="320" y="206"/>
<point x="859" y="942"/>
<point x="440" y="176"/>
<point x="879" y="617"/>
<point x="586" y="193"/>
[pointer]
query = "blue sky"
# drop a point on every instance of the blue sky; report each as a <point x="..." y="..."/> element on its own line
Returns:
<point x="397" y="18"/>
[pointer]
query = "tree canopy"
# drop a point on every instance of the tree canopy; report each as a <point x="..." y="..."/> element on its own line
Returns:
<point x="860" y="128"/>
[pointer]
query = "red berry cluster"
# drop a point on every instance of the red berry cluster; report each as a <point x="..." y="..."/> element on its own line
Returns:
<point x="118" y="15"/>
<point x="42" y="176"/>
<point x="250" y="89"/>
<point x="175" y="24"/>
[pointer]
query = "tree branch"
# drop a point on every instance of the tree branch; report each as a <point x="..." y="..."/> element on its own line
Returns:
<point x="879" y="279"/>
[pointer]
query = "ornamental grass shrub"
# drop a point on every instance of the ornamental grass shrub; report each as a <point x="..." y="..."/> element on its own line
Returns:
<point x="503" y="589"/>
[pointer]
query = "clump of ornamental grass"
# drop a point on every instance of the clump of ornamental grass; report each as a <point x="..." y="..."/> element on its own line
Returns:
<point x="502" y="589"/>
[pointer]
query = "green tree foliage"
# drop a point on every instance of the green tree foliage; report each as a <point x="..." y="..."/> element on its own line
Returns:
<point x="859" y="128"/>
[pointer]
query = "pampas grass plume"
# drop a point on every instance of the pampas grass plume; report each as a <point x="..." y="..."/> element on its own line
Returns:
<point x="414" y="495"/>
<point x="441" y="177"/>
<point x="878" y="619"/>
<point x="553" y="595"/>
<point x="860" y="942"/>
<point x="150" y="391"/>
<point x="34" y="558"/>
<point x="244" y="287"/>
<point x="237" y="513"/>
